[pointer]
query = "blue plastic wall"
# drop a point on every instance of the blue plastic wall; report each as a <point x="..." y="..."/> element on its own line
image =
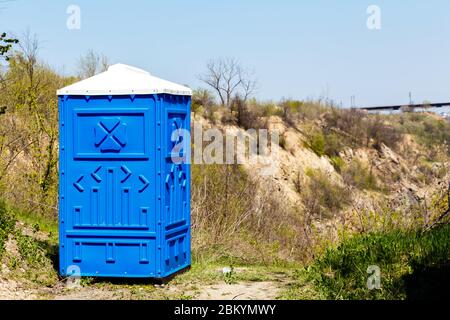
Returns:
<point x="124" y="205"/>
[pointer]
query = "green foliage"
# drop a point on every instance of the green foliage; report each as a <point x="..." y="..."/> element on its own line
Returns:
<point x="7" y="222"/>
<point x="29" y="132"/>
<point x="250" y="114"/>
<point x="323" y="143"/>
<point x="413" y="265"/>
<point x="6" y="45"/>
<point x="379" y="132"/>
<point x="323" y="197"/>
<point x="333" y="144"/>
<point x="230" y="276"/>
<point x="37" y="256"/>
<point x="358" y="129"/>
<point x="316" y="142"/>
<point x="269" y="109"/>
<point x="294" y="111"/>
<point x="358" y="175"/>
<point x="230" y="223"/>
<point x="35" y="259"/>
<point x="202" y="100"/>
<point x="337" y="163"/>
<point x="42" y="223"/>
<point x="429" y="130"/>
<point x="216" y="215"/>
<point x="212" y="272"/>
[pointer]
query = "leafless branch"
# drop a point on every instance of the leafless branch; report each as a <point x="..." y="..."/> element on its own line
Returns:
<point x="91" y="64"/>
<point x="228" y="79"/>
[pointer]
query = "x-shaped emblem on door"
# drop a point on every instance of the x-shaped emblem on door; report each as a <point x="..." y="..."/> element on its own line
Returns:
<point x="110" y="135"/>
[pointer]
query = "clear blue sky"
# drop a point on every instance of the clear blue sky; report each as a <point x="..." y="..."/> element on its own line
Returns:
<point x="298" y="49"/>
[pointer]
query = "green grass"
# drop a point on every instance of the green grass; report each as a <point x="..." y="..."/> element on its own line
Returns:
<point x="209" y="272"/>
<point x="39" y="223"/>
<point x="36" y="257"/>
<point x="7" y="222"/>
<point x="337" y="163"/>
<point x="413" y="265"/>
<point x="188" y="285"/>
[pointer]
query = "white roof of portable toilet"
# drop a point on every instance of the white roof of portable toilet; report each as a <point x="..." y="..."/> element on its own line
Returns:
<point x="121" y="79"/>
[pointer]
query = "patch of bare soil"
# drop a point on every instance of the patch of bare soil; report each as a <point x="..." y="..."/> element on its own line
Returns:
<point x="92" y="293"/>
<point x="266" y="290"/>
<point x="240" y="291"/>
<point x="14" y="290"/>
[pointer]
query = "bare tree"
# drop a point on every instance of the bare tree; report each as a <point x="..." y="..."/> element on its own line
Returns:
<point x="29" y="49"/>
<point x="228" y="78"/>
<point x="91" y="64"/>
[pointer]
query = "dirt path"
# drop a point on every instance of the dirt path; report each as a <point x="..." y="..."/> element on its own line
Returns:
<point x="221" y="291"/>
<point x="240" y="291"/>
<point x="14" y="290"/>
<point x="200" y="283"/>
<point x="265" y="290"/>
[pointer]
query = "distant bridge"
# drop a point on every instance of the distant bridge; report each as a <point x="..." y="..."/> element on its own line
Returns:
<point x="407" y="106"/>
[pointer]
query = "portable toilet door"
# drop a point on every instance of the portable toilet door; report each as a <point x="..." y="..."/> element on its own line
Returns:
<point x="124" y="202"/>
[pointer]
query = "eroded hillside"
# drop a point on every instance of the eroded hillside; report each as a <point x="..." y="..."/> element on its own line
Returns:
<point x="336" y="172"/>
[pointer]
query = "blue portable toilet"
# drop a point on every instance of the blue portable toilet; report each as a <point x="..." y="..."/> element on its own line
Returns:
<point x="124" y="202"/>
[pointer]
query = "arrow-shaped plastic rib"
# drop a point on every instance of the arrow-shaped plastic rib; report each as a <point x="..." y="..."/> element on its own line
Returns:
<point x="145" y="182"/>
<point x="77" y="184"/>
<point x="127" y="173"/>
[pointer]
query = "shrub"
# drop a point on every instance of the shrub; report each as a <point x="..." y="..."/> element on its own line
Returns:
<point x="37" y="256"/>
<point x="321" y="143"/>
<point x="294" y="111"/>
<point x="248" y="115"/>
<point x="350" y="121"/>
<point x="429" y="130"/>
<point x="337" y="163"/>
<point x="322" y="197"/>
<point x="234" y="218"/>
<point x="413" y="265"/>
<point x="333" y="144"/>
<point x="211" y="114"/>
<point x="426" y="174"/>
<point x="316" y="142"/>
<point x="202" y="99"/>
<point x="360" y="129"/>
<point x="269" y="109"/>
<point x="358" y="175"/>
<point x="290" y="110"/>
<point x="7" y="222"/>
<point x="381" y="133"/>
